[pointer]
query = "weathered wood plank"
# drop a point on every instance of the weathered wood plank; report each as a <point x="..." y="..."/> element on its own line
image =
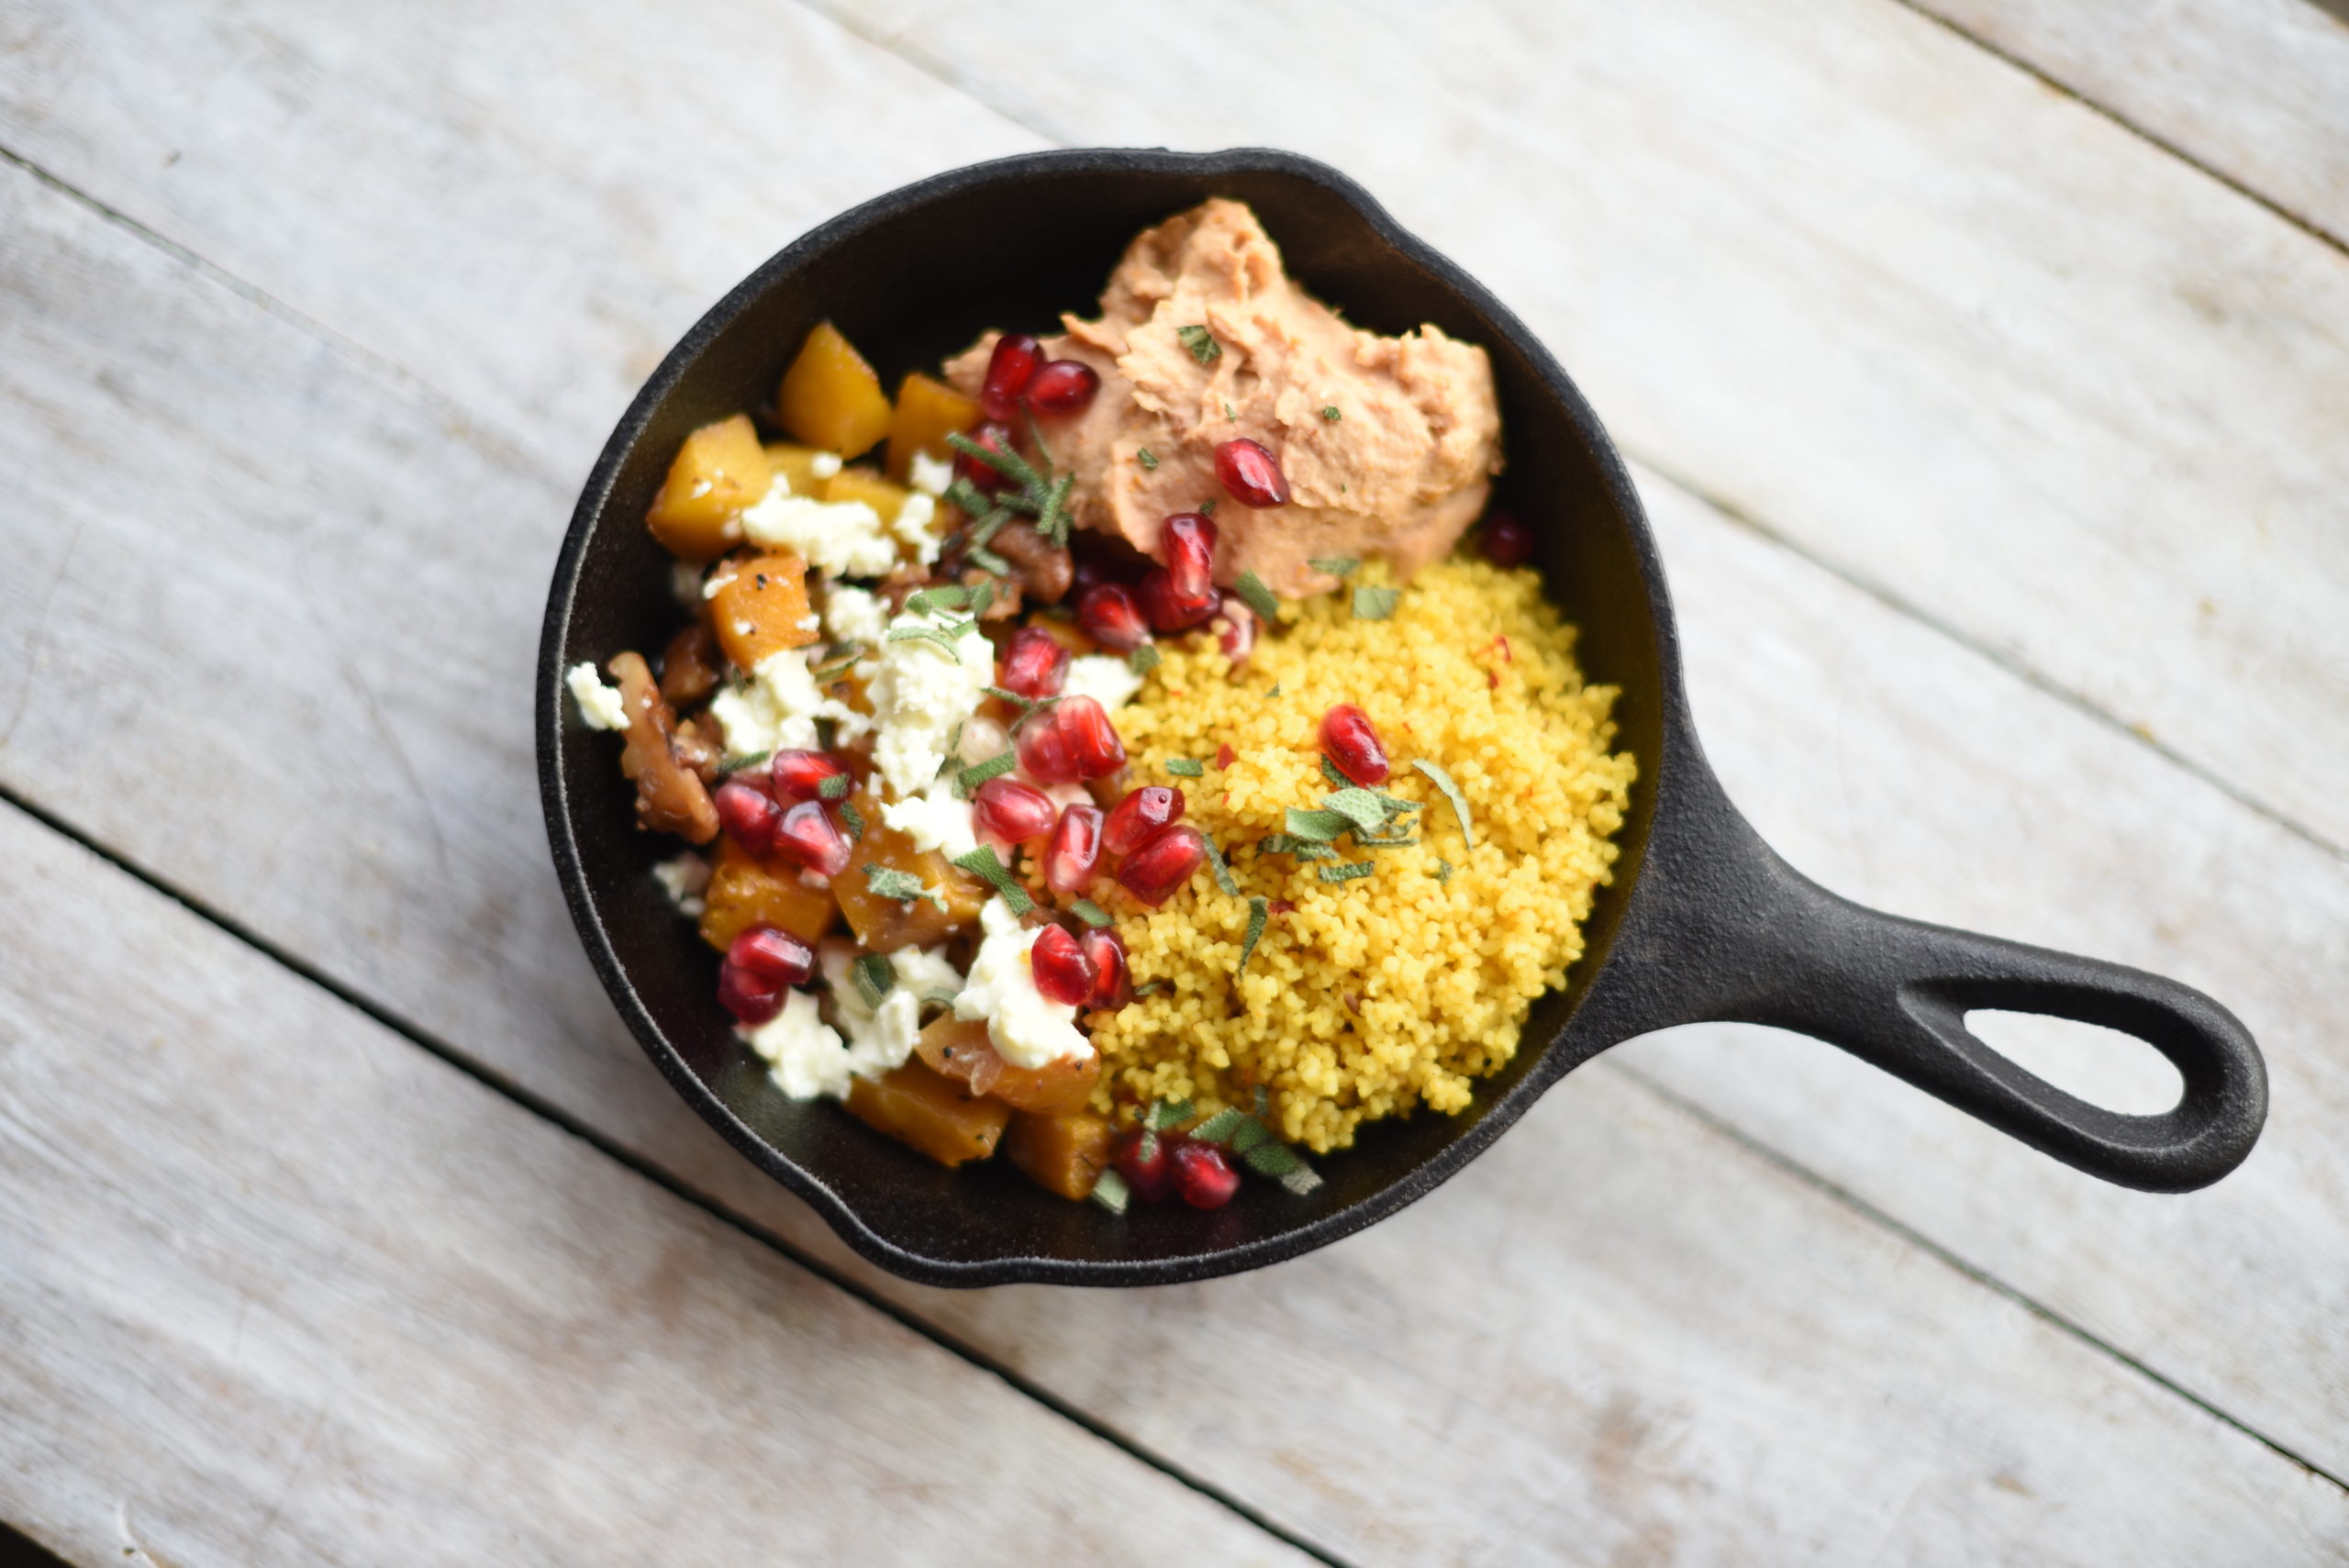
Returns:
<point x="278" y="1287"/>
<point x="422" y="884"/>
<point x="2258" y="90"/>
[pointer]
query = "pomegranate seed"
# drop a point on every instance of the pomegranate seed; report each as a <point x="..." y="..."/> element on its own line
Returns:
<point x="1111" y="617"/>
<point x="1353" y="745"/>
<point x="807" y="834"/>
<point x="1108" y="951"/>
<point x="1249" y="475"/>
<point x="1061" y="970"/>
<point x="1093" y="743"/>
<point x="1164" y="863"/>
<point x="1005" y="812"/>
<point x="1203" y="1175"/>
<point x="773" y="956"/>
<point x="1508" y="542"/>
<point x="748" y="997"/>
<point x="1044" y="753"/>
<point x="1033" y="664"/>
<point x="1170" y="611"/>
<point x="995" y="439"/>
<point x="748" y="814"/>
<point x="1144" y="1159"/>
<point x="1281" y="906"/>
<point x="1238" y="638"/>
<point x="1075" y="848"/>
<point x="800" y="775"/>
<point x="1010" y="370"/>
<point x="1189" y="540"/>
<point x="1224" y="756"/>
<point x="1062" y="387"/>
<point x="1138" y="817"/>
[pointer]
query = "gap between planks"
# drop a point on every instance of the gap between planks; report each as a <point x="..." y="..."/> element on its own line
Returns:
<point x="546" y="1110"/>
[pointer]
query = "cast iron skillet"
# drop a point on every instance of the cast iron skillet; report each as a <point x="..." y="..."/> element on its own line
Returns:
<point x="1703" y="921"/>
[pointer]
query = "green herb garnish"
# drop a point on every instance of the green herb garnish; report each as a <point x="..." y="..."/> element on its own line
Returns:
<point x="874" y="976"/>
<point x="1150" y="988"/>
<point x="1442" y="873"/>
<point x="854" y="820"/>
<point x="982" y="863"/>
<point x="735" y="765"/>
<point x="943" y="635"/>
<point x="977" y="773"/>
<point x="1250" y="1135"/>
<point x="902" y="885"/>
<point x="840" y="663"/>
<point x="836" y="788"/>
<point x="1186" y="767"/>
<point x="1330" y="771"/>
<point x="1143" y="660"/>
<point x="1349" y="872"/>
<point x="1251" y="588"/>
<point x="1110" y="1192"/>
<point x="1442" y="781"/>
<point x="1333" y="413"/>
<point x="939" y="996"/>
<point x="1375" y="604"/>
<point x="987" y="560"/>
<point x="1206" y="507"/>
<point x="1041" y="495"/>
<point x="1222" y="873"/>
<point x="1335" y="565"/>
<point x="1258" y="913"/>
<point x="944" y="596"/>
<point x="1274" y="692"/>
<point x="1318" y="826"/>
<point x="1290" y="844"/>
<point x="1089" y="912"/>
<point x="1145" y="457"/>
<point x="1359" y="805"/>
<point x="1201" y="344"/>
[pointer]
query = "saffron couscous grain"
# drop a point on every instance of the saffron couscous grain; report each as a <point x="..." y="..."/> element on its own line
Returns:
<point x="1365" y="998"/>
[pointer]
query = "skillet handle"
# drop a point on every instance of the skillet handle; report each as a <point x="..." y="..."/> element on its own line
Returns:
<point x="1895" y="993"/>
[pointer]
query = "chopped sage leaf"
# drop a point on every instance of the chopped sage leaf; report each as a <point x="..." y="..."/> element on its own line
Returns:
<point x="1442" y="781"/>
<point x="982" y="863"/>
<point x="1335" y="565"/>
<point x="875" y="977"/>
<point x="1349" y="872"/>
<point x="941" y="637"/>
<point x="939" y="996"/>
<point x="1164" y="1115"/>
<point x="1375" y="604"/>
<point x="1150" y="988"/>
<point x="1257" y="915"/>
<point x="977" y="773"/>
<point x="1143" y="660"/>
<point x="835" y="787"/>
<point x="1219" y="1128"/>
<point x="901" y="885"/>
<point x="854" y="820"/>
<point x="1251" y="588"/>
<point x="1147" y="459"/>
<point x="1442" y="873"/>
<point x="1186" y="767"/>
<point x="735" y="765"/>
<point x="1318" y="826"/>
<point x="1222" y="873"/>
<point x="1358" y="806"/>
<point x="1290" y="844"/>
<point x="1228" y="412"/>
<point x="1201" y="344"/>
<point x="1089" y="912"/>
<point x="1110" y="1192"/>
<point x="1330" y="771"/>
<point x="1275" y="692"/>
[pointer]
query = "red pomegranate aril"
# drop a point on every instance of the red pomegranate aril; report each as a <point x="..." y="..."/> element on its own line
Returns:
<point x="1134" y="820"/>
<point x="1187" y="540"/>
<point x="1145" y="1159"/>
<point x="995" y="439"/>
<point x="1111" y="617"/>
<point x="1108" y="951"/>
<point x="1092" y="740"/>
<point x="1005" y="812"/>
<point x="1061" y="972"/>
<point x="748" y="815"/>
<point x="1508" y="542"/>
<point x="1249" y="475"/>
<point x="1061" y="386"/>
<point x="1170" y="610"/>
<point x="1238" y="638"/>
<point x="800" y="775"/>
<point x="1203" y="1175"/>
<point x="1353" y="745"/>
<point x="1044" y="753"/>
<point x="1225" y="756"/>
<point x="1157" y="870"/>
<point x="1033" y="664"/>
<point x="1074" y="850"/>
<point x="749" y="998"/>
<point x="807" y="834"/>
<point x="1010" y="370"/>
<point x="773" y="955"/>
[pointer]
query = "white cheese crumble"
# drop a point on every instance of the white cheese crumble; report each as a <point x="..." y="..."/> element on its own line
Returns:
<point x="803" y="1052"/>
<point x="934" y="819"/>
<point x="599" y="704"/>
<point x="912" y="525"/>
<point x="880" y="1038"/>
<point x="1026" y="1030"/>
<point x="852" y="614"/>
<point x="685" y="879"/>
<point x="841" y="538"/>
<point x="725" y="574"/>
<point x="823" y="465"/>
<point x="1109" y="682"/>
<point x="777" y="708"/>
<point x="932" y="475"/>
<point x="920" y="694"/>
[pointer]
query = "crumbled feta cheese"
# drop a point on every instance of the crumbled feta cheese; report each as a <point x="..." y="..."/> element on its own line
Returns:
<point x="852" y="614"/>
<point x="880" y="1038"/>
<point x="684" y="879"/>
<point x="982" y="737"/>
<point x="777" y="708"/>
<point x="932" y="475"/>
<point x="823" y="465"/>
<point x="934" y="819"/>
<point x="1109" y="682"/>
<point x="912" y="524"/>
<point x="841" y="538"/>
<point x="718" y="579"/>
<point x="805" y="1054"/>
<point x="1026" y="1030"/>
<point x="599" y="704"/>
<point x="920" y="694"/>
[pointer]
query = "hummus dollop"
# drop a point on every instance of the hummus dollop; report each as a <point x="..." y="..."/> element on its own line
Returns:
<point x="1389" y="444"/>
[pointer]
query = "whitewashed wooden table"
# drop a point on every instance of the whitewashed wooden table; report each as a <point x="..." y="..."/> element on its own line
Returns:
<point x="1984" y="364"/>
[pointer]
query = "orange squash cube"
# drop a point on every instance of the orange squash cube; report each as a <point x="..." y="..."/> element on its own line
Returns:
<point x="928" y="411"/>
<point x="937" y="1116"/>
<point x="797" y="464"/>
<point x="719" y="470"/>
<point x="863" y="484"/>
<point x="745" y="891"/>
<point x="959" y="1048"/>
<point x="1064" y="1154"/>
<point x="885" y="925"/>
<point x="760" y="608"/>
<point x="829" y="396"/>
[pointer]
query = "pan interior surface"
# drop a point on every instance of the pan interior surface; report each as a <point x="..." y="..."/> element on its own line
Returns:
<point x="909" y="279"/>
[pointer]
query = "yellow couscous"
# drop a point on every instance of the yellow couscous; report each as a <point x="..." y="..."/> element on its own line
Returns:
<point x="1367" y="997"/>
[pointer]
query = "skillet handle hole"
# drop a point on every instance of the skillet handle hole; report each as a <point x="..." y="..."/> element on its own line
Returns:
<point x="2105" y="1067"/>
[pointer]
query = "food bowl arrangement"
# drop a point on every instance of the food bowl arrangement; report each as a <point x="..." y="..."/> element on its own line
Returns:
<point x="1683" y="915"/>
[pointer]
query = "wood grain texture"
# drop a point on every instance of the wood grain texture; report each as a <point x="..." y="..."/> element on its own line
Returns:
<point x="278" y="1287"/>
<point x="2256" y="90"/>
<point x="422" y="884"/>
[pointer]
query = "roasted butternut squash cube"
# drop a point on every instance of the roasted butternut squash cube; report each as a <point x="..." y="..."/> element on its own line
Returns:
<point x="745" y="891"/>
<point x="797" y="464"/>
<point x="1064" y="1154"/>
<point x="760" y="608"/>
<point x="959" y="1047"/>
<point x="720" y="469"/>
<point x="928" y="411"/>
<point x="831" y="399"/>
<point x="863" y="484"/>
<point x="885" y="925"/>
<point x="937" y="1116"/>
